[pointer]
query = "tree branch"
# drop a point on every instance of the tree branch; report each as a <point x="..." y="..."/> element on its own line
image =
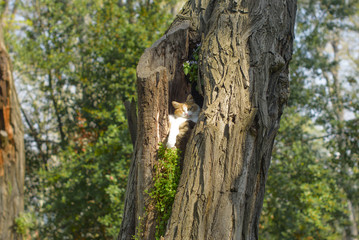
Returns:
<point x="57" y="112"/>
<point x="131" y="114"/>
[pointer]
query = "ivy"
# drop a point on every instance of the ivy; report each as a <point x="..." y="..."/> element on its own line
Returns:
<point x="166" y="178"/>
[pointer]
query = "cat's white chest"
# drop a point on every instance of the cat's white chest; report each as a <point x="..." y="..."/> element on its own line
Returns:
<point x="174" y="130"/>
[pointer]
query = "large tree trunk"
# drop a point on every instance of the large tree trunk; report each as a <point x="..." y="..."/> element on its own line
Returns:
<point x="159" y="67"/>
<point x="12" y="153"/>
<point x="246" y="47"/>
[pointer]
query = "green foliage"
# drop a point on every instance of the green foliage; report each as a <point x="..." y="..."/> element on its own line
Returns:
<point x="302" y="199"/>
<point x="86" y="192"/>
<point x="166" y="178"/>
<point x="139" y="229"/>
<point x="76" y="64"/>
<point x="312" y="178"/>
<point x="24" y="223"/>
<point x="190" y="67"/>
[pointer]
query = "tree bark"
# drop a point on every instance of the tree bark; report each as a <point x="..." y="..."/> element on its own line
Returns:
<point x="159" y="75"/>
<point x="12" y="153"/>
<point x="352" y="218"/>
<point x="246" y="47"/>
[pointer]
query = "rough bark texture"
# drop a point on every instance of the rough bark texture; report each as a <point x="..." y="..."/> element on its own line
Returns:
<point x="159" y="75"/>
<point x="244" y="57"/>
<point x="12" y="153"/>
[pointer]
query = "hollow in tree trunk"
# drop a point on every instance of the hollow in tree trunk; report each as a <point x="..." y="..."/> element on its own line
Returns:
<point x="245" y="50"/>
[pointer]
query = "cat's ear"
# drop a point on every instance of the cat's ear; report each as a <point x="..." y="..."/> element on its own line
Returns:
<point x="176" y="104"/>
<point x="189" y="98"/>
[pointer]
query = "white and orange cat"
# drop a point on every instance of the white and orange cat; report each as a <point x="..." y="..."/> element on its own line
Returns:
<point x="183" y="112"/>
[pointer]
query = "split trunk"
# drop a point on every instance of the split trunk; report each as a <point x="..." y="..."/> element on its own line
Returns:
<point x="245" y="50"/>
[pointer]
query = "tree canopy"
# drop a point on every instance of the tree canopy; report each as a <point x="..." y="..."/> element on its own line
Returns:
<point x="312" y="186"/>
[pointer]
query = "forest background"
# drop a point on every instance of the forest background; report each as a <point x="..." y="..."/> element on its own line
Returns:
<point x="74" y="65"/>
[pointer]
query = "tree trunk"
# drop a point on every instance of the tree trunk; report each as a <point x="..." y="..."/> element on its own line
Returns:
<point x="12" y="153"/>
<point x="353" y="226"/>
<point x="159" y="67"/>
<point x="246" y="47"/>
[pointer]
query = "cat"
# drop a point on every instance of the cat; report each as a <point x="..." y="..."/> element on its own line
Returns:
<point x="188" y="111"/>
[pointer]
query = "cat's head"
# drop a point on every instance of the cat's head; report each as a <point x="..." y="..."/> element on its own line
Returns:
<point x="186" y="109"/>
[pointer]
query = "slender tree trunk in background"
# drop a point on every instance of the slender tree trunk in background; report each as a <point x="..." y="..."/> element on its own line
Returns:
<point x="336" y="95"/>
<point x="12" y="153"/>
<point x="246" y="47"/>
<point x="57" y="111"/>
<point x="353" y="221"/>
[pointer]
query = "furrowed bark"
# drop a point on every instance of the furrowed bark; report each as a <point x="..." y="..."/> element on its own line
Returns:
<point x="246" y="47"/>
<point x="12" y="152"/>
<point x="159" y="75"/>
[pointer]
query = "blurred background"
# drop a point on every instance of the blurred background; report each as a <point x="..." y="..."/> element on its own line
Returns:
<point x="74" y="64"/>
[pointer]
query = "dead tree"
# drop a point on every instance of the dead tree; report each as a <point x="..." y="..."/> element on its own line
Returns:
<point x="245" y="50"/>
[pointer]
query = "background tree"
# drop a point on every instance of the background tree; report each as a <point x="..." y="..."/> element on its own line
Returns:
<point x="12" y="152"/>
<point x="76" y="60"/>
<point x="243" y="63"/>
<point x="320" y="132"/>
